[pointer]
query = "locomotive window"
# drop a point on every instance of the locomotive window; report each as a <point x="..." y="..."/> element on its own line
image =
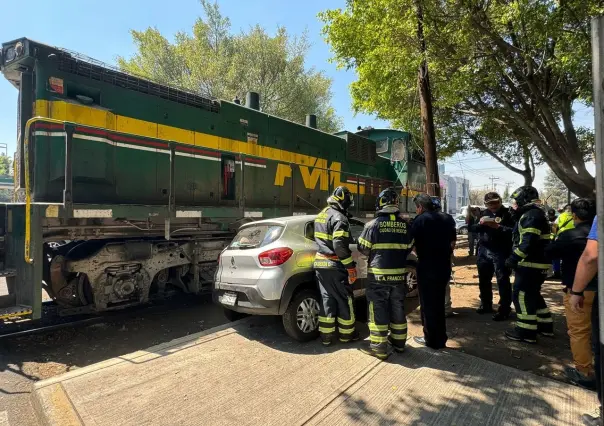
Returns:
<point x="399" y="150"/>
<point x="381" y="146"/>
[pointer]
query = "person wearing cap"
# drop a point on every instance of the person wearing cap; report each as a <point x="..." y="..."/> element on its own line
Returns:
<point x="434" y="236"/>
<point x="495" y="246"/>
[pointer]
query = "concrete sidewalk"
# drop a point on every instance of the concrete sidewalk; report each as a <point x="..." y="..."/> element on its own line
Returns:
<point x="250" y="372"/>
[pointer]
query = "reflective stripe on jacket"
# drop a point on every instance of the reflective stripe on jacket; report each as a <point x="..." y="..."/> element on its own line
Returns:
<point x="332" y="235"/>
<point x="532" y="234"/>
<point x="386" y="242"/>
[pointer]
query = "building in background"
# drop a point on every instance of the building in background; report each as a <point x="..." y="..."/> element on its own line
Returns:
<point x="455" y="191"/>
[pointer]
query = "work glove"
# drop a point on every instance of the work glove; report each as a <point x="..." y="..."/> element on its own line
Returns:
<point x="352" y="275"/>
<point x="511" y="262"/>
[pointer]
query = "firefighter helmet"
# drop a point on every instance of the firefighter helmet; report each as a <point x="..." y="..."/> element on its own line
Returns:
<point x="525" y="195"/>
<point x="343" y="197"/>
<point x="387" y="198"/>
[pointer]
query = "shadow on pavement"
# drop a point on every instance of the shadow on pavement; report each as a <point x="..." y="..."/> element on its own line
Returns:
<point x="479" y="395"/>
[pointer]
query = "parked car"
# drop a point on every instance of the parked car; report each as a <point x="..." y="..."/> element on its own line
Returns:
<point x="461" y="225"/>
<point x="267" y="270"/>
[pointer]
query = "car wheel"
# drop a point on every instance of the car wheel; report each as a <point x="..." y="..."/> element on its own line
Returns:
<point x="301" y="319"/>
<point x="463" y="230"/>
<point x="233" y="315"/>
<point x="412" y="279"/>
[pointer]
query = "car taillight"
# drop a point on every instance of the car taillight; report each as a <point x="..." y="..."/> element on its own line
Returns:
<point x="275" y="257"/>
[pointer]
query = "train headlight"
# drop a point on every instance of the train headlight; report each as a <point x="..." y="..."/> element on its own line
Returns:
<point x="10" y="54"/>
<point x="13" y="52"/>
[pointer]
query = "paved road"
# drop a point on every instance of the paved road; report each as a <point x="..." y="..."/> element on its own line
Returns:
<point x="251" y="373"/>
<point x="14" y="398"/>
<point x="26" y="360"/>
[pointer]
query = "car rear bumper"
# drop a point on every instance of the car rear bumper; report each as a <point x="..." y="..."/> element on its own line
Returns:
<point x="249" y="299"/>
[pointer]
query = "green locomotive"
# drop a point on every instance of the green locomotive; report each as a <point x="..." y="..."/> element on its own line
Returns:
<point x="129" y="189"/>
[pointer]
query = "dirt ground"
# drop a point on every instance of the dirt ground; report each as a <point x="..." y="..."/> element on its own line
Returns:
<point x="478" y="335"/>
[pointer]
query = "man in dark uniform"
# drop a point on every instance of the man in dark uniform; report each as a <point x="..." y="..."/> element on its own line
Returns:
<point x="495" y="245"/>
<point x="335" y="268"/>
<point x="434" y="235"/>
<point x="531" y="236"/>
<point x="386" y="242"/>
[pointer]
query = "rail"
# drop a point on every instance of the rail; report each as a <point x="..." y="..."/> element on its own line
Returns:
<point x="69" y="128"/>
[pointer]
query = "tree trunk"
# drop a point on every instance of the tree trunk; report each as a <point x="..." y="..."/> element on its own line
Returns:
<point x="528" y="179"/>
<point x="529" y="172"/>
<point x="427" y="114"/>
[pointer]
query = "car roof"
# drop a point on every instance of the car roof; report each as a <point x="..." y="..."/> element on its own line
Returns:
<point x="283" y="220"/>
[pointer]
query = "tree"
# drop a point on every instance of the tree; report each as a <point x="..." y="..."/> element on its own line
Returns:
<point x="216" y="63"/>
<point x="477" y="196"/>
<point x="555" y="192"/>
<point x="515" y="67"/>
<point x="6" y="165"/>
<point x="6" y="169"/>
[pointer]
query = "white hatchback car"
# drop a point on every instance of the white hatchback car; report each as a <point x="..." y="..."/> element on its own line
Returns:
<point x="267" y="270"/>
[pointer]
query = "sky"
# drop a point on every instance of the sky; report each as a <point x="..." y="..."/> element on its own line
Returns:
<point x="100" y="29"/>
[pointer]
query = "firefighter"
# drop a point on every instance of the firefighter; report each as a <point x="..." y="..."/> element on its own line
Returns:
<point x="335" y="269"/>
<point x="386" y="242"/>
<point x="531" y="235"/>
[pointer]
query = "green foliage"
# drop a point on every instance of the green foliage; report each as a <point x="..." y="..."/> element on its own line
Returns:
<point x="213" y="61"/>
<point x="6" y="169"/>
<point x="6" y="165"/>
<point x="507" y="72"/>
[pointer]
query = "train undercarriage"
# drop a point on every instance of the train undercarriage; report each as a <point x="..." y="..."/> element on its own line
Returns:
<point x="92" y="265"/>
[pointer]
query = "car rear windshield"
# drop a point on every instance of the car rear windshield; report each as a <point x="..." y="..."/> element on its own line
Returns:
<point x="256" y="236"/>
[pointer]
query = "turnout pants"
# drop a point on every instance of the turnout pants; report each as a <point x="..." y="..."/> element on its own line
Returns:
<point x="386" y="313"/>
<point x="532" y="314"/>
<point x="337" y="309"/>
<point x="432" y="280"/>
<point x="490" y="263"/>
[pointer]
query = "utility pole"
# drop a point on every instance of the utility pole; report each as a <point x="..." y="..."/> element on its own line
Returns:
<point x="507" y="189"/>
<point x="425" y="103"/>
<point x="597" y="56"/>
<point x="493" y="179"/>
